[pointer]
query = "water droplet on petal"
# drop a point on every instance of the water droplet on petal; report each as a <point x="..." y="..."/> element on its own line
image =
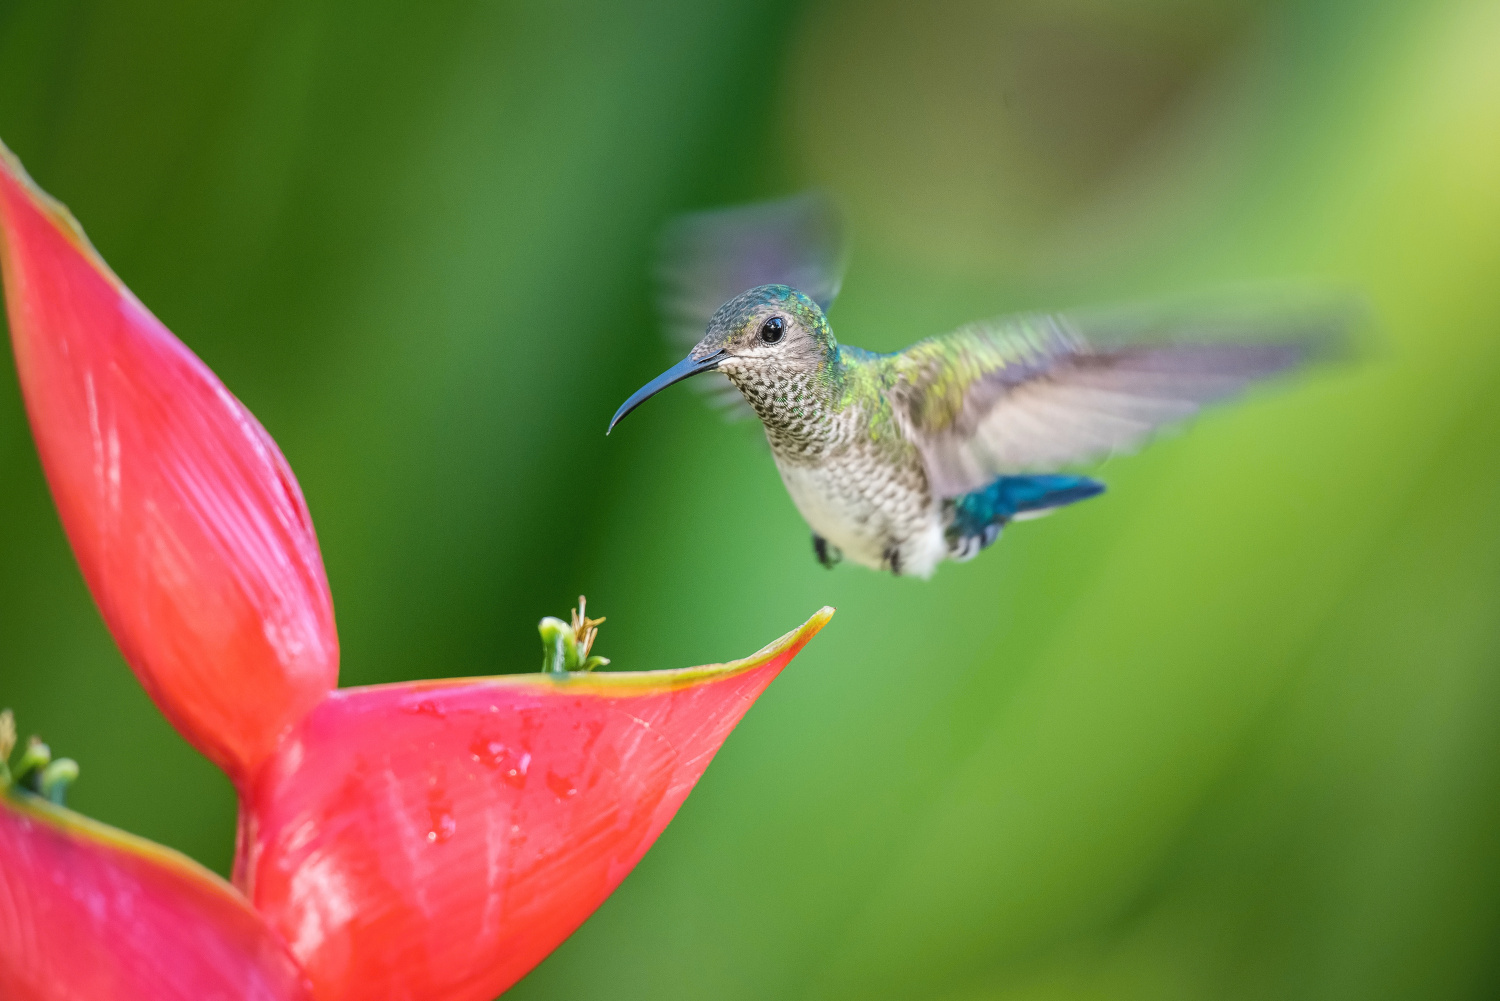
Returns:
<point x="511" y="764"/>
<point x="517" y="776"/>
<point x="443" y="827"/>
<point x="561" y="788"/>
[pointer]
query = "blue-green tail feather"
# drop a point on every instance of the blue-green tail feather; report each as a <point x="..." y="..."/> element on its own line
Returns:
<point x="978" y="517"/>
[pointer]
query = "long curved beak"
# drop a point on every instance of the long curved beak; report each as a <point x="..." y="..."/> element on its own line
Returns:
<point x="689" y="366"/>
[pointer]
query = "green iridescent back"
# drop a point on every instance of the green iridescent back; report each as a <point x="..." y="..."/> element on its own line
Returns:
<point x="934" y="377"/>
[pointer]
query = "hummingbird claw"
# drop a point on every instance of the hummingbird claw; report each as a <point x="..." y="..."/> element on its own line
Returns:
<point x="893" y="560"/>
<point x="827" y="555"/>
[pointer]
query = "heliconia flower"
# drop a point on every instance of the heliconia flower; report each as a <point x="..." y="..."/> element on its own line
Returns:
<point x="88" y="912"/>
<point x="437" y="839"/>
<point x="430" y="841"/>
<point x="187" y="522"/>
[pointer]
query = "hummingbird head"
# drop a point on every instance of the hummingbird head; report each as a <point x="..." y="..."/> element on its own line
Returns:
<point x="765" y="336"/>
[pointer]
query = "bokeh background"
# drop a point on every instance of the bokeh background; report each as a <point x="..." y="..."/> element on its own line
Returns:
<point x="1231" y="731"/>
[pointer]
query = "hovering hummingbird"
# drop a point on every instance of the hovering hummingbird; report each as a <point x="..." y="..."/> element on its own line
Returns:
<point x="899" y="461"/>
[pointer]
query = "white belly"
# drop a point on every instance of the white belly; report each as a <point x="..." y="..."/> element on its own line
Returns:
<point x="868" y="511"/>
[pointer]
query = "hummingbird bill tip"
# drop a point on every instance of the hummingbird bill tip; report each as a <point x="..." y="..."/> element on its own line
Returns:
<point x="689" y="366"/>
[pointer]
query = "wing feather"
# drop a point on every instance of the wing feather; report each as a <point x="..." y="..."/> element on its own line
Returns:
<point x="707" y="258"/>
<point x="1032" y="393"/>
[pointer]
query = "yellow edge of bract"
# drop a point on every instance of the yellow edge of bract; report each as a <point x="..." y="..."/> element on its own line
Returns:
<point x="58" y="213"/>
<point x="633" y="682"/>
<point x="86" y="828"/>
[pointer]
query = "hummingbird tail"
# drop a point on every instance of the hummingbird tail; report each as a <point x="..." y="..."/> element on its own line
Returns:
<point x="978" y="517"/>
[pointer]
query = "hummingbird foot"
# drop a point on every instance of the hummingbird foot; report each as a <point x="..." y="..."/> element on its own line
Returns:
<point x="963" y="547"/>
<point x="893" y="560"/>
<point x="827" y="555"/>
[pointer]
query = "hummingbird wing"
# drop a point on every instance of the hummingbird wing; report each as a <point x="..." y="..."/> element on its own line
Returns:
<point x="1034" y="393"/>
<point x="704" y="259"/>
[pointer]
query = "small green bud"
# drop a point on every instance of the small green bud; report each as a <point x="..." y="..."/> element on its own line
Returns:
<point x="56" y="778"/>
<point x="36" y="757"/>
<point x="35" y="771"/>
<point x="7" y="734"/>
<point x="559" y="646"/>
<point x="7" y="744"/>
<point x="566" y="645"/>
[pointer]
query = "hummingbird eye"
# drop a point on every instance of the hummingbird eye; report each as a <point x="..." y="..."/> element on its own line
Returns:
<point x="772" y="330"/>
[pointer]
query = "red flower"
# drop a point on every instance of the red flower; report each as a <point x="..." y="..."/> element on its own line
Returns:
<point x="91" y="913"/>
<point x="431" y="840"/>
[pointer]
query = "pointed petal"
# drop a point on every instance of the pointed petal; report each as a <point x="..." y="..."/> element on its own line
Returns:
<point x="187" y="522"/>
<point x="435" y="840"/>
<point x="88" y="912"/>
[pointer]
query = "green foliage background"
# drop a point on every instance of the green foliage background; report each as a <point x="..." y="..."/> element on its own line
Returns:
<point x="1229" y="731"/>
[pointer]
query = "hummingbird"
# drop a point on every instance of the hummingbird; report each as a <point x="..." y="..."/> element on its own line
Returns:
<point x="902" y="460"/>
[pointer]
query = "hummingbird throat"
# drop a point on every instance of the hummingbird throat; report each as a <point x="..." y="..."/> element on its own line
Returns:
<point x="798" y="418"/>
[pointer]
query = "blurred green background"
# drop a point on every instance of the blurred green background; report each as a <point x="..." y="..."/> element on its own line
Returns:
<point x="1229" y="731"/>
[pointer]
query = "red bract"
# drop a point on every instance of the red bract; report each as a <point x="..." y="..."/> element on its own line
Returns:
<point x="187" y="522"/>
<point x="438" y="839"/>
<point x="89" y="913"/>
<point x="429" y="841"/>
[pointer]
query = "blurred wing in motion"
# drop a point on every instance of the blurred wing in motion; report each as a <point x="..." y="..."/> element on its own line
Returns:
<point x="707" y="258"/>
<point x="1032" y="393"/>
